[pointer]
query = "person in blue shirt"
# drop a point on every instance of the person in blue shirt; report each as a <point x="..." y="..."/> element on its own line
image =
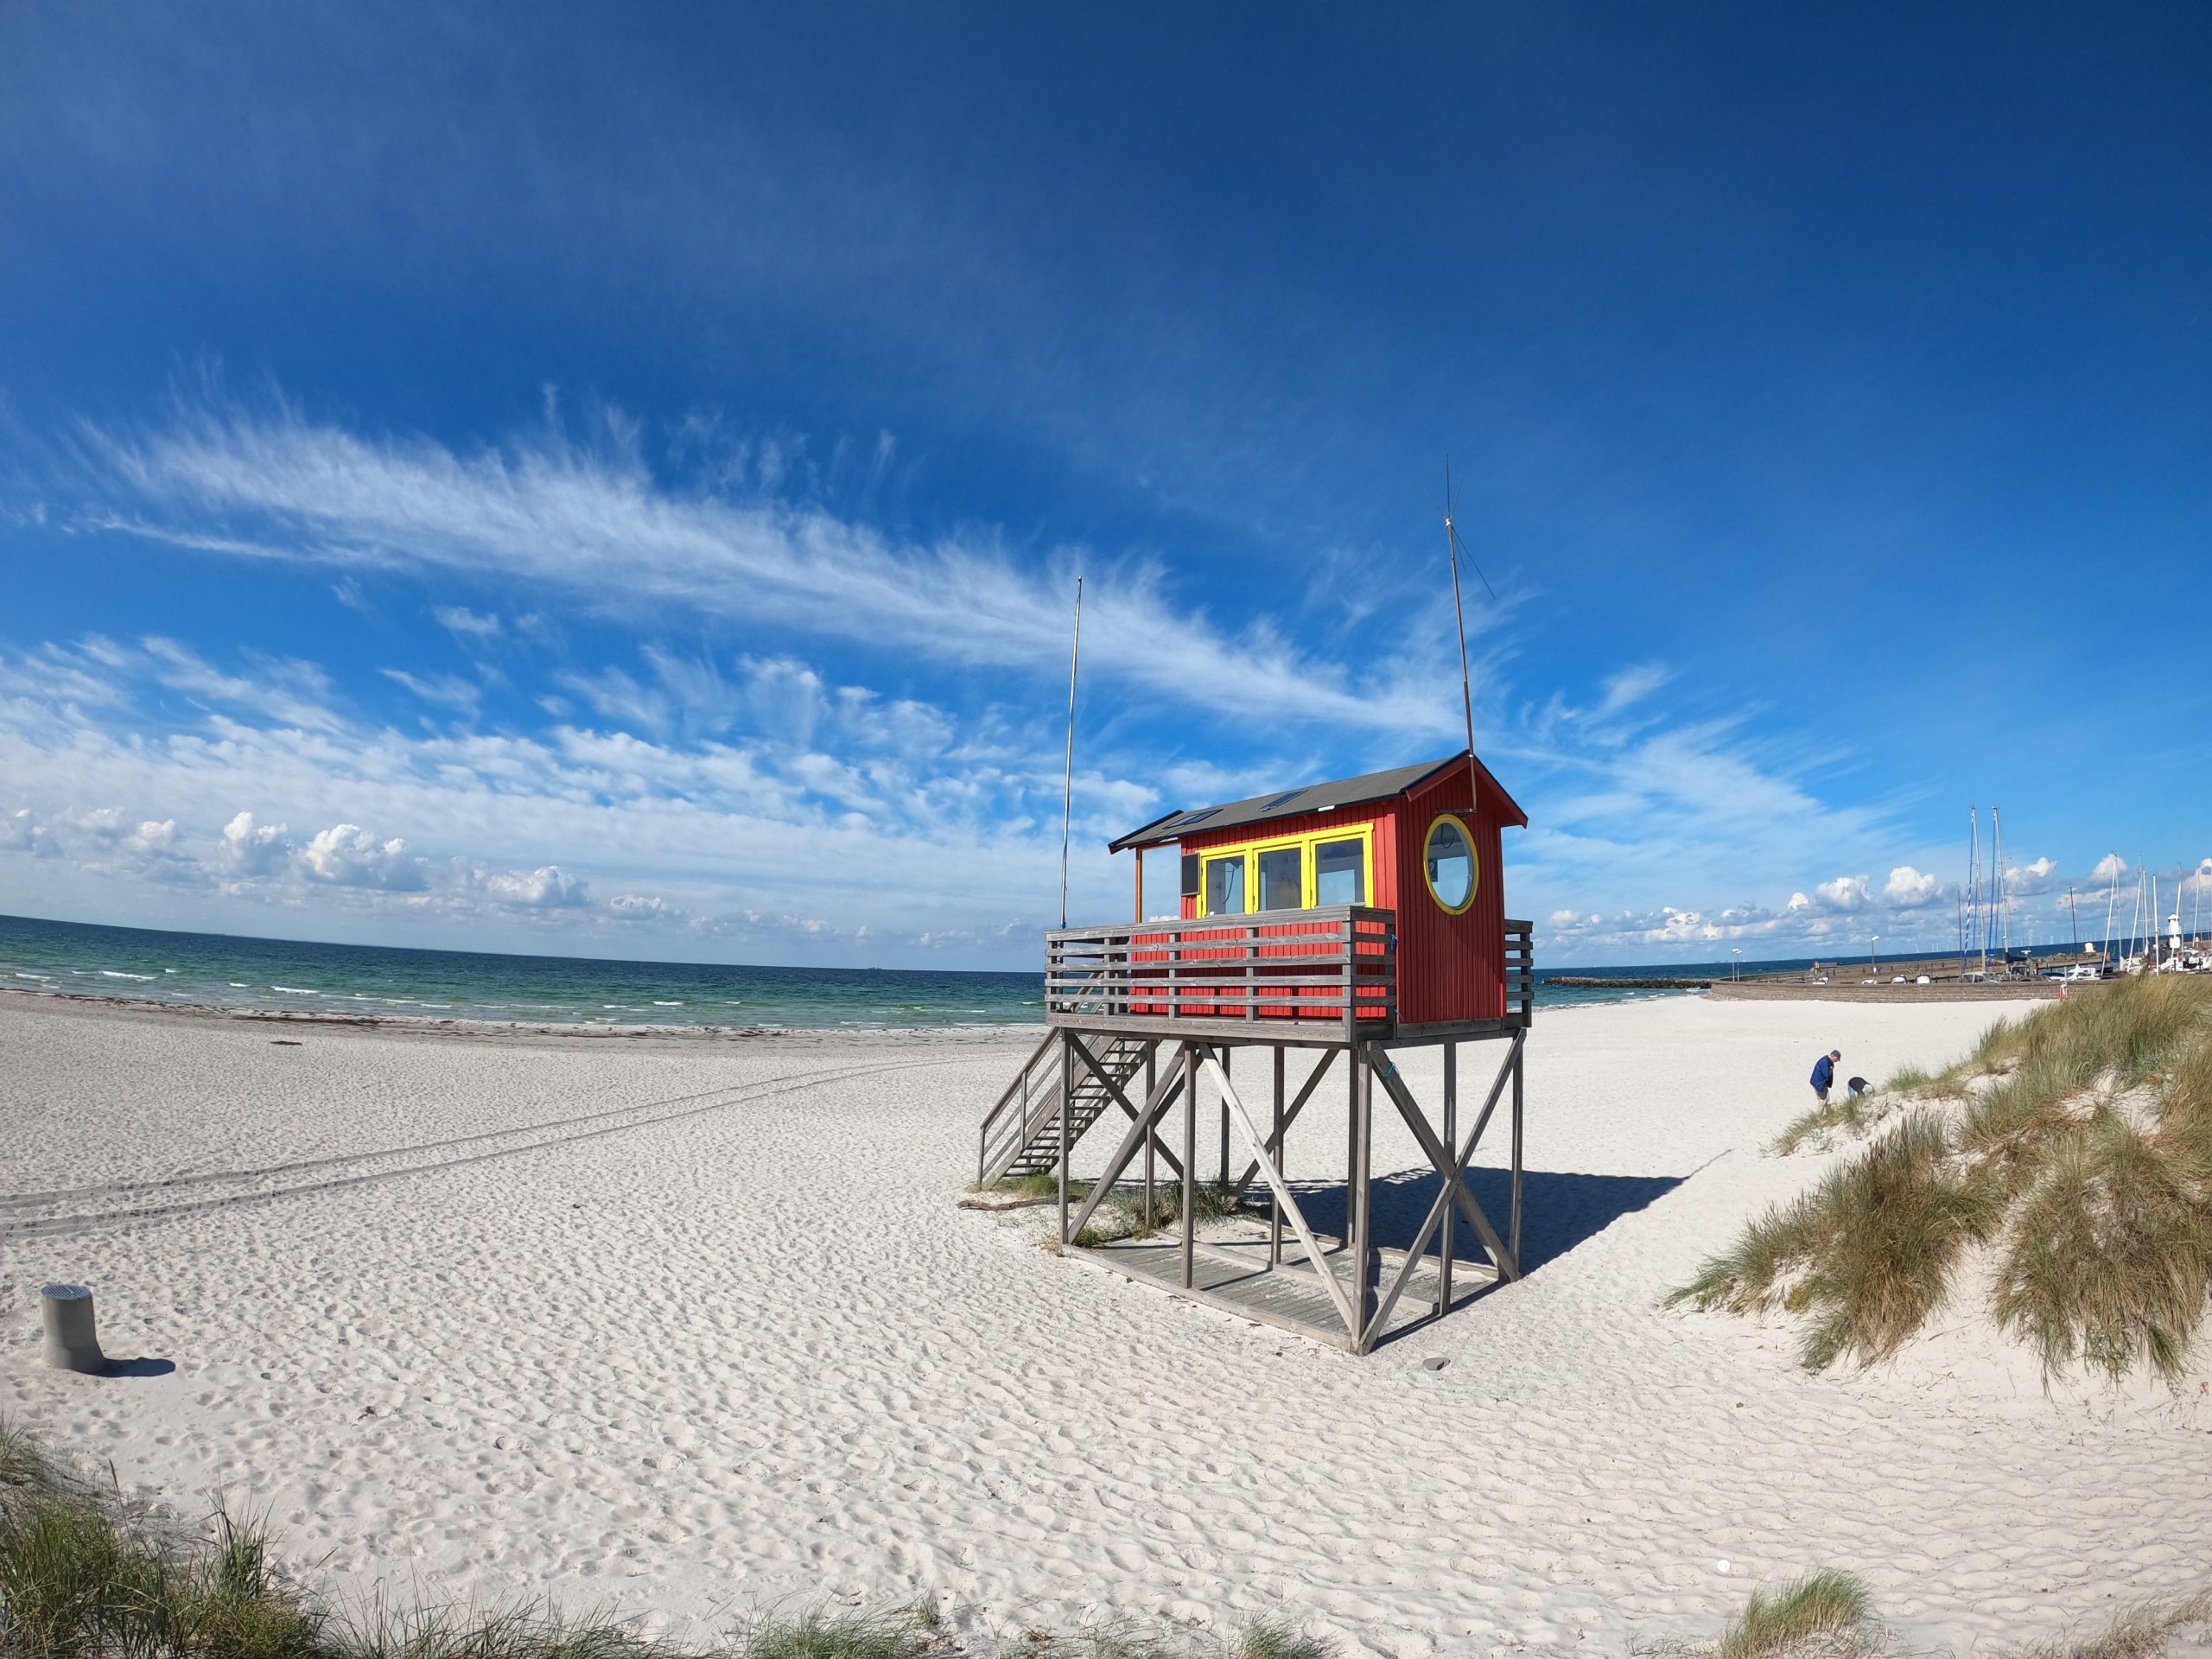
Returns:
<point x="1824" y="1074"/>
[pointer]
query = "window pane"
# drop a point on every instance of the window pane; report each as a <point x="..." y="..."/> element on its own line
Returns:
<point x="1339" y="874"/>
<point x="1282" y="880"/>
<point x="1451" y="864"/>
<point x="1225" y="885"/>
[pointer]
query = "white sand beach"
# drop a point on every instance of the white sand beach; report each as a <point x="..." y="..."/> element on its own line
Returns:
<point x="684" y="1326"/>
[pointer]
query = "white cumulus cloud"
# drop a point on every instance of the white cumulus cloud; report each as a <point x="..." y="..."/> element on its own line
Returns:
<point x="346" y="855"/>
<point x="252" y="849"/>
<point x="549" y="887"/>
<point x="1844" y="893"/>
<point x="1908" y="888"/>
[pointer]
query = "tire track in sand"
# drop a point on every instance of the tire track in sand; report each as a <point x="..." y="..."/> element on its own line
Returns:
<point x="740" y="1095"/>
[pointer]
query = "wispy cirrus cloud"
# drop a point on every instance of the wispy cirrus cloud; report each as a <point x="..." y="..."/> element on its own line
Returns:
<point x="591" y="521"/>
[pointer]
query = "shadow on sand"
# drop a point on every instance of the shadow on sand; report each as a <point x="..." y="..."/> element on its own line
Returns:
<point x="144" y="1366"/>
<point x="1559" y="1210"/>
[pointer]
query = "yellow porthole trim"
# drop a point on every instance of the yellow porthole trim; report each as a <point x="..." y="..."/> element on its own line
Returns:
<point x="1474" y="863"/>
<point x="1249" y="851"/>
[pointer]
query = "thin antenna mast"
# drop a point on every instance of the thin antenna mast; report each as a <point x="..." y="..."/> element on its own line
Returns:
<point x="1067" y="790"/>
<point x="1459" y="611"/>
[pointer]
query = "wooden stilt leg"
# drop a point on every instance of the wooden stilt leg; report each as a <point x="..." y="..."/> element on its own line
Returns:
<point x="1351" y="1150"/>
<point x="1451" y="1138"/>
<point x="1363" y="1198"/>
<point x="1225" y="1053"/>
<point x="1274" y="1205"/>
<point x="1513" y="1224"/>
<point x="1190" y="1167"/>
<point x="1150" y="1140"/>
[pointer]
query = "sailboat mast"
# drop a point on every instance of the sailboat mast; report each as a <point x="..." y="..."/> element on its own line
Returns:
<point x="1973" y="885"/>
<point x="1997" y="874"/>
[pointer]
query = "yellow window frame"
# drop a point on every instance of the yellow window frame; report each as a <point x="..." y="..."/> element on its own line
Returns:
<point x="1249" y="851"/>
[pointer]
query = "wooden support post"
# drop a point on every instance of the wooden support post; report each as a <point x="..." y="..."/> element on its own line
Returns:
<point x="1190" y="1165"/>
<point x="1066" y="1093"/>
<point x="1143" y="1124"/>
<point x="1451" y="1138"/>
<point x="1275" y="1139"/>
<point x="1151" y="1140"/>
<point x="1290" y="1116"/>
<point x="1363" y="1258"/>
<point x="1513" y="1225"/>
<point x="1351" y="1146"/>
<point x="1225" y="1052"/>
<point x="1139" y="917"/>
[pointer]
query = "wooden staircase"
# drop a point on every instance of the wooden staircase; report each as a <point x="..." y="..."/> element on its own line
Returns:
<point x="1022" y="1134"/>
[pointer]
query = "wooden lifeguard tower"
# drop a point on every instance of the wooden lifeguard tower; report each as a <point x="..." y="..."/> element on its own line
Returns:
<point x="1341" y="920"/>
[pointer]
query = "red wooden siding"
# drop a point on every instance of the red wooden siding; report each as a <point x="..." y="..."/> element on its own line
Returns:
<point x="1450" y="967"/>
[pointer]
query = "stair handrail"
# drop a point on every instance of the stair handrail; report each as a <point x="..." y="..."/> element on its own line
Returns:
<point x="1018" y="1086"/>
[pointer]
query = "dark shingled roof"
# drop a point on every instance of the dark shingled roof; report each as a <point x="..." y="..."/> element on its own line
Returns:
<point x="1281" y="803"/>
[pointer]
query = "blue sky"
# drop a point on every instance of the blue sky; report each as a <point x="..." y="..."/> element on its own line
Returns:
<point x="611" y="481"/>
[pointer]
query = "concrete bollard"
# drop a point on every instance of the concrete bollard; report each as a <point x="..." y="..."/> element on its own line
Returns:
<point x="72" y="1341"/>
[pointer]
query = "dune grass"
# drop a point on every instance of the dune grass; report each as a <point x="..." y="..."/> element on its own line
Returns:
<point x="2082" y="1155"/>
<point x="1120" y="1214"/>
<point x="1803" y="1614"/>
<point x="85" y="1575"/>
<point x="2144" y="1630"/>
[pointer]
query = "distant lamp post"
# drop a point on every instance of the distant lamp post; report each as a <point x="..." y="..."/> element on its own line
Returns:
<point x="1870" y="944"/>
<point x="1735" y="963"/>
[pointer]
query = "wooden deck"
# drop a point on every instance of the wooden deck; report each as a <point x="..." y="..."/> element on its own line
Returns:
<point x="1232" y="1273"/>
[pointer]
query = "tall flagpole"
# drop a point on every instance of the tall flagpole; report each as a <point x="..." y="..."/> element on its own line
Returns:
<point x="1067" y="791"/>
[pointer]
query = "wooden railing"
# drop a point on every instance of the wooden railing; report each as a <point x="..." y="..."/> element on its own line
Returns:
<point x="1335" y="965"/>
<point x="1520" y="971"/>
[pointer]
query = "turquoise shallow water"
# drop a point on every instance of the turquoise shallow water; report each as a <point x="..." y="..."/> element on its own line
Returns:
<point x="227" y="970"/>
<point x="222" y="970"/>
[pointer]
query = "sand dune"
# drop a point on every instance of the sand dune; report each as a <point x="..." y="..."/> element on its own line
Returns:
<point x="691" y="1326"/>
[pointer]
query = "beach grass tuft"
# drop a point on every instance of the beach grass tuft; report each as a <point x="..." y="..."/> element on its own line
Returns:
<point x="2083" y="1152"/>
<point x="1848" y="1114"/>
<point x="1806" y="1615"/>
<point x="85" y="1575"/>
<point x="840" y="1635"/>
<point x="2108" y="1258"/>
<point x="2144" y="1630"/>
<point x="1271" y="1639"/>
<point x="1119" y="1215"/>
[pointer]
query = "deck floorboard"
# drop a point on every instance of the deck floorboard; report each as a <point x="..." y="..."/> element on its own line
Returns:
<point x="1233" y="1275"/>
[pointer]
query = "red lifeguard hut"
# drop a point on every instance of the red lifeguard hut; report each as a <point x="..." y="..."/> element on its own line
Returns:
<point x="1338" y="919"/>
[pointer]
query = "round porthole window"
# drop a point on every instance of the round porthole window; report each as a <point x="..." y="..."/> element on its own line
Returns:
<point x="1449" y="863"/>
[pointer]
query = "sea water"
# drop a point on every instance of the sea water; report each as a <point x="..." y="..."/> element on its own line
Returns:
<point x="227" y="970"/>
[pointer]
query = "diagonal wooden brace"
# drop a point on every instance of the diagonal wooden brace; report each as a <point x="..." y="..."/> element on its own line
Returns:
<point x="1454" y="1171"/>
<point x="1291" y="1213"/>
<point x="1144" y="1122"/>
<point x="1289" y="1116"/>
<point x="1113" y="1092"/>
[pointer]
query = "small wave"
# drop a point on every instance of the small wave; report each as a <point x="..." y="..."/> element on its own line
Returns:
<point x="659" y="1004"/>
<point x="239" y="985"/>
<point x="437" y="1005"/>
<point x="19" y="974"/>
<point x="110" y="973"/>
<point x="168" y="970"/>
<point x="293" y="990"/>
